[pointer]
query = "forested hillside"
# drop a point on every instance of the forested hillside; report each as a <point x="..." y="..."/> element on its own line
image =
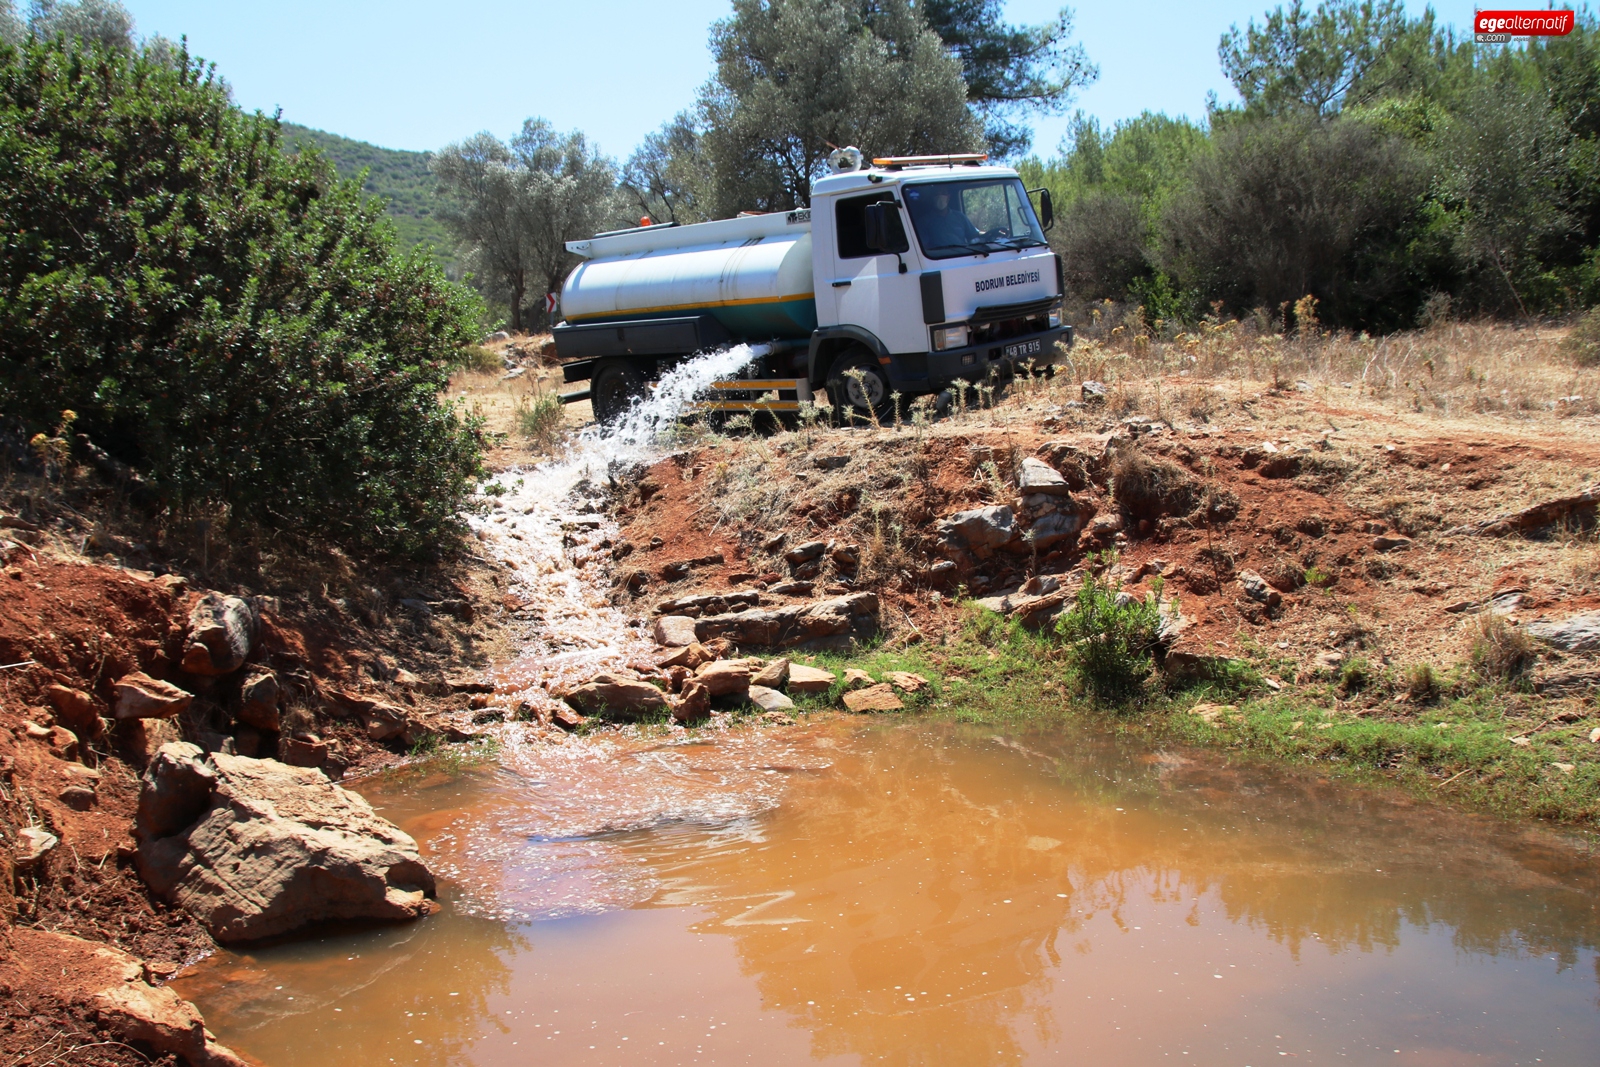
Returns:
<point x="400" y="177"/>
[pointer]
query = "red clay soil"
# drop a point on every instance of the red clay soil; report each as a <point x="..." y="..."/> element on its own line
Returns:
<point x="83" y="625"/>
<point x="1410" y="603"/>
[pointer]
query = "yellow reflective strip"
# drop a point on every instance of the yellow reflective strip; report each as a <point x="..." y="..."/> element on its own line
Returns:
<point x="748" y="405"/>
<point x="691" y="307"/>
<point x="767" y="384"/>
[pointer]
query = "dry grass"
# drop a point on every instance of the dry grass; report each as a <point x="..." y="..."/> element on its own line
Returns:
<point x="1501" y="651"/>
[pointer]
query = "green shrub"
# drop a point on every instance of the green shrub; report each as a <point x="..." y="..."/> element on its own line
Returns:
<point x="541" y="420"/>
<point x="1500" y="652"/>
<point x="1582" y="345"/>
<point x="1110" y="646"/>
<point x="232" y="322"/>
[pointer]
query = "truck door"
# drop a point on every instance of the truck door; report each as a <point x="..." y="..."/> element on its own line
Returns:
<point x="867" y="289"/>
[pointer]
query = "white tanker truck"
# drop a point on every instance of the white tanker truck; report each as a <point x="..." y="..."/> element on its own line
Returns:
<point x="904" y="276"/>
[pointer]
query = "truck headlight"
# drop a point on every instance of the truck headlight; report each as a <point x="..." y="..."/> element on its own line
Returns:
<point x="948" y="337"/>
<point x="1055" y="318"/>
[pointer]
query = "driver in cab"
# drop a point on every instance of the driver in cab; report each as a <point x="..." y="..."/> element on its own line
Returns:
<point x="944" y="227"/>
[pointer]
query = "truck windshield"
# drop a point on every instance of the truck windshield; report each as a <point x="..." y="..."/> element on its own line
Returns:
<point x="972" y="217"/>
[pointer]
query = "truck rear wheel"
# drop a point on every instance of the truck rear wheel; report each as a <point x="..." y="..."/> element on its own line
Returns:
<point x="858" y="387"/>
<point x="613" y="390"/>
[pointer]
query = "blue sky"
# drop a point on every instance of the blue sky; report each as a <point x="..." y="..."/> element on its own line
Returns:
<point x="418" y="75"/>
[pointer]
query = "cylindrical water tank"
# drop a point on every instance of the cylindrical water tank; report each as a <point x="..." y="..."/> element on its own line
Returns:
<point x="753" y="274"/>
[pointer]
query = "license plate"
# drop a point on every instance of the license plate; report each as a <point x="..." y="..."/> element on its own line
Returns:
<point x="1023" y="348"/>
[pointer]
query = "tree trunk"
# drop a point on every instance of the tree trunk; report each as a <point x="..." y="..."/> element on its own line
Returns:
<point x="518" y="287"/>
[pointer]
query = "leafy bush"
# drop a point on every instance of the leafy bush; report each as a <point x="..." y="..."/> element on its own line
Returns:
<point x="232" y="322"/>
<point x="1284" y="207"/>
<point x="1110" y="645"/>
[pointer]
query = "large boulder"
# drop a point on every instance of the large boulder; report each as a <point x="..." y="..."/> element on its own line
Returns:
<point x="1055" y="527"/>
<point x="222" y="630"/>
<point x="803" y="679"/>
<point x="619" y="695"/>
<point x="272" y="847"/>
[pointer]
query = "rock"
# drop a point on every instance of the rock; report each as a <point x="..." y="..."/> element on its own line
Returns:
<point x="1573" y="510"/>
<point x="792" y="588"/>
<point x="111" y="985"/>
<point x="690" y="656"/>
<point x="773" y="543"/>
<point x="724" y="677"/>
<point x="831" y="463"/>
<point x="74" y="707"/>
<point x="628" y="697"/>
<point x="33" y="844"/>
<point x="773" y="675"/>
<point x="1391" y="544"/>
<point x="258" y="704"/>
<point x="805" y="553"/>
<point x="673" y="631"/>
<point x="1093" y="393"/>
<point x="303" y="753"/>
<point x="1329" y="661"/>
<point x="769" y="699"/>
<point x="1576" y="633"/>
<point x="1054" y="528"/>
<point x="827" y="623"/>
<point x="77" y="797"/>
<point x="139" y="696"/>
<point x="708" y="604"/>
<point x="1038" y="611"/>
<point x="143" y="738"/>
<point x="222" y="630"/>
<point x="566" y="718"/>
<point x="176" y="791"/>
<point x="1256" y="588"/>
<point x="855" y="679"/>
<point x="274" y="848"/>
<point x="877" y="698"/>
<point x="991" y="527"/>
<point x="694" y="704"/>
<point x="803" y="679"/>
<point x="1037" y="476"/>
<point x="846" y="557"/>
<point x="1213" y="713"/>
<point x="905" y="681"/>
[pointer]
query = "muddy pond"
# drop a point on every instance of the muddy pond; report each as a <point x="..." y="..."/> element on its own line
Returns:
<point x="923" y="892"/>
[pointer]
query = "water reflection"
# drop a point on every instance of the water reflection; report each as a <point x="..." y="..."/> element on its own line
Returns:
<point x="933" y="894"/>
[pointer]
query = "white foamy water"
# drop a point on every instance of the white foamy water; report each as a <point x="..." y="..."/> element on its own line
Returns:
<point x="549" y="529"/>
<point x="540" y="839"/>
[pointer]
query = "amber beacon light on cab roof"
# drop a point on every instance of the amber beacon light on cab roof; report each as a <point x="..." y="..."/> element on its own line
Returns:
<point x="906" y="275"/>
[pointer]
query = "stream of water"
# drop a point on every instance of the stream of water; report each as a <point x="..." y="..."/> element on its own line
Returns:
<point x="901" y="891"/>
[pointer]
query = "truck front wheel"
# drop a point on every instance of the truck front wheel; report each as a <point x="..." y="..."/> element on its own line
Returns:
<point x="858" y="387"/>
<point x="613" y="390"/>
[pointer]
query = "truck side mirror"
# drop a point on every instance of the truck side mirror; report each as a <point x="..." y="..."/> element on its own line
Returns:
<point x="1047" y="209"/>
<point x="884" y="233"/>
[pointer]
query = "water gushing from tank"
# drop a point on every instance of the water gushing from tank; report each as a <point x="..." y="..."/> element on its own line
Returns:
<point x="549" y="528"/>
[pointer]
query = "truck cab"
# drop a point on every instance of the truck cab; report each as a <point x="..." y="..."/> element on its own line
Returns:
<point x="922" y="272"/>
<point x="929" y="271"/>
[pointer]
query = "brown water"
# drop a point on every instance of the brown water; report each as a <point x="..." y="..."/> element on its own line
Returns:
<point x="935" y="894"/>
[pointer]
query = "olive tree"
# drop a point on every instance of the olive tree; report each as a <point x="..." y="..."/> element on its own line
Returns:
<point x="512" y="207"/>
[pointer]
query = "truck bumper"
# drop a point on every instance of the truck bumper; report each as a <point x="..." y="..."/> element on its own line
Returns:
<point x="1000" y="359"/>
